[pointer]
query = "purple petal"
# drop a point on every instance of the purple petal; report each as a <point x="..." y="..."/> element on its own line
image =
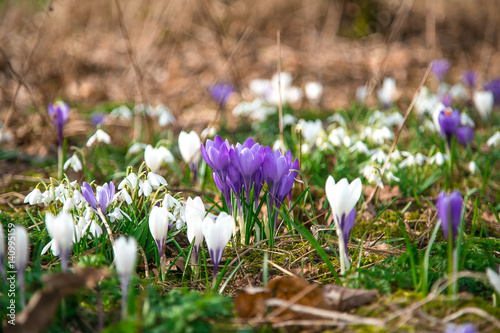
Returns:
<point x="465" y="135"/>
<point x="89" y="195"/>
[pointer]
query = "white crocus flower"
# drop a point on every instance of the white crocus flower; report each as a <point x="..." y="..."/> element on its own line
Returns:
<point x="189" y="146"/>
<point x="217" y="234"/>
<point x="342" y="197"/>
<point x="61" y="229"/>
<point x="99" y="136"/>
<point x="438" y="158"/>
<point x="494" y="279"/>
<point x="34" y="197"/>
<point x="73" y="162"/>
<point x="386" y="93"/>
<point x="314" y="92"/>
<point x="195" y="213"/>
<point x="125" y="250"/>
<point x="483" y="101"/>
<point x="494" y="140"/>
<point x="158" y="225"/>
<point x="155" y="156"/>
<point x="21" y="249"/>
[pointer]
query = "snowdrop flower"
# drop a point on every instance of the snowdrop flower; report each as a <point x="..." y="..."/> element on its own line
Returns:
<point x="378" y="156"/>
<point x="122" y="112"/>
<point x="124" y="196"/>
<point x="260" y="87"/>
<point x="438" y="158"/>
<point x="394" y="119"/>
<point x="177" y="210"/>
<point x="131" y="180"/>
<point x="61" y="229"/>
<point x="155" y="156"/>
<point x="99" y="136"/>
<point x="494" y="279"/>
<point x="336" y="136"/>
<point x="310" y="129"/>
<point x="411" y="160"/>
<point x="314" y="91"/>
<point x="158" y="225"/>
<point x="288" y="120"/>
<point x="136" y="148"/>
<point x="73" y="162"/>
<point x="473" y="168"/>
<point x="257" y="110"/>
<point x="165" y="116"/>
<point x="195" y="213"/>
<point x="343" y="197"/>
<point x="361" y="94"/>
<point x="117" y="214"/>
<point x="337" y="118"/>
<point x="189" y="146"/>
<point x="380" y="135"/>
<point x="359" y="147"/>
<point x="494" y="141"/>
<point x="372" y="175"/>
<point x="209" y="132"/>
<point x="68" y="205"/>
<point x="289" y="93"/>
<point x="145" y="188"/>
<point x="156" y="180"/>
<point x="458" y="91"/>
<point x="94" y="229"/>
<point x="125" y="250"/>
<point x="386" y="93"/>
<point x="483" y="101"/>
<point x="217" y="234"/>
<point x="465" y="120"/>
<point x="449" y="208"/>
<point x="34" y="197"/>
<point x="426" y="102"/>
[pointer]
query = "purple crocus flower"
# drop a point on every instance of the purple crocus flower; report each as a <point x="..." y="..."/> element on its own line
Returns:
<point x="470" y="78"/>
<point x="104" y="196"/>
<point x="465" y="135"/>
<point x="449" y="122"/>
<point x="216" y="155"/>
<point x="449" y="208"/>
<point x="465" y="328"/>
<point x="97" y="118"/>
<point x="494" y="87"/>
<point x="235" y="182"/>
<point x="440" y="68"/>
<point x="446" y="99"/>
<point x="247" y="158"/>
<point x="59" y="113"/>
<point x="220" y="92"/>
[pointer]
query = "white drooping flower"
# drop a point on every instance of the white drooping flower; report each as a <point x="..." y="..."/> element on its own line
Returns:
<point x="386" y="93"/>
<point x="483" y="101"/>
<point x="310" y="129"/>
<point x="361" y="94"/>
<point x="136" y="147"/>
<point x="156" y="180"/>
<point x="314" y="92"/>
<point x="73" y="162"/>
<point x="155" y="156"/>
<point x="158" y="225"/>
<point x="189" y="146"/>
<point x="426" y="102"/>
<point x="411" y="160"/>
<point x="438" y="158"/>
<point x="466" y="120"/>
<point x="473" y="168"/>
<point x="122" y="112"/>
<point x="21" y="247"/>
<point x="217" y="234"/>
<point x="360" y="147"/>
<point x="34" y="197"/>
<point x="195" y="214"/>
<point x="99" y="136"/>
<point x="494" y="140"/>
<point x="256" y="111"/>
<point x="131" y="181"/>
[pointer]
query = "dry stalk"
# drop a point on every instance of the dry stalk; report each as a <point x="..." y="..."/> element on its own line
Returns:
<point x="280" y="103"/>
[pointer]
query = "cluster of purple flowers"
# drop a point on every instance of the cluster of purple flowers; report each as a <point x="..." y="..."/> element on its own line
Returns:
<point x="239" y="169"/>
<point x="449" y="122"/>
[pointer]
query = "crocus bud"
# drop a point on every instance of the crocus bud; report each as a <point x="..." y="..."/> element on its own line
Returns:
<point x="221" y="92"/>
<point x="158" y="225"/>
<point x="449" y="122"/>
<point x="21" y="247"/>
<point x="449" y="208"/>
<point x="314" y="91"/>
<point x="217" y="233"/>
<point x="59" y="113"/>
<point x="61" y="229"/>
<point x="440" y="68"/>
<point x="386" y="93"/>
<point x="125" y="250"/>
<point x="155" y="156"/>
<point x="483" y="101"/>
<point x="195" y="213"/>
<point x="189" y="146"/>
<point x="465" y="135"/>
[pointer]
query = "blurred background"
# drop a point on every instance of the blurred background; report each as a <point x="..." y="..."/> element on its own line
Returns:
<point x="92" y="53"/>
